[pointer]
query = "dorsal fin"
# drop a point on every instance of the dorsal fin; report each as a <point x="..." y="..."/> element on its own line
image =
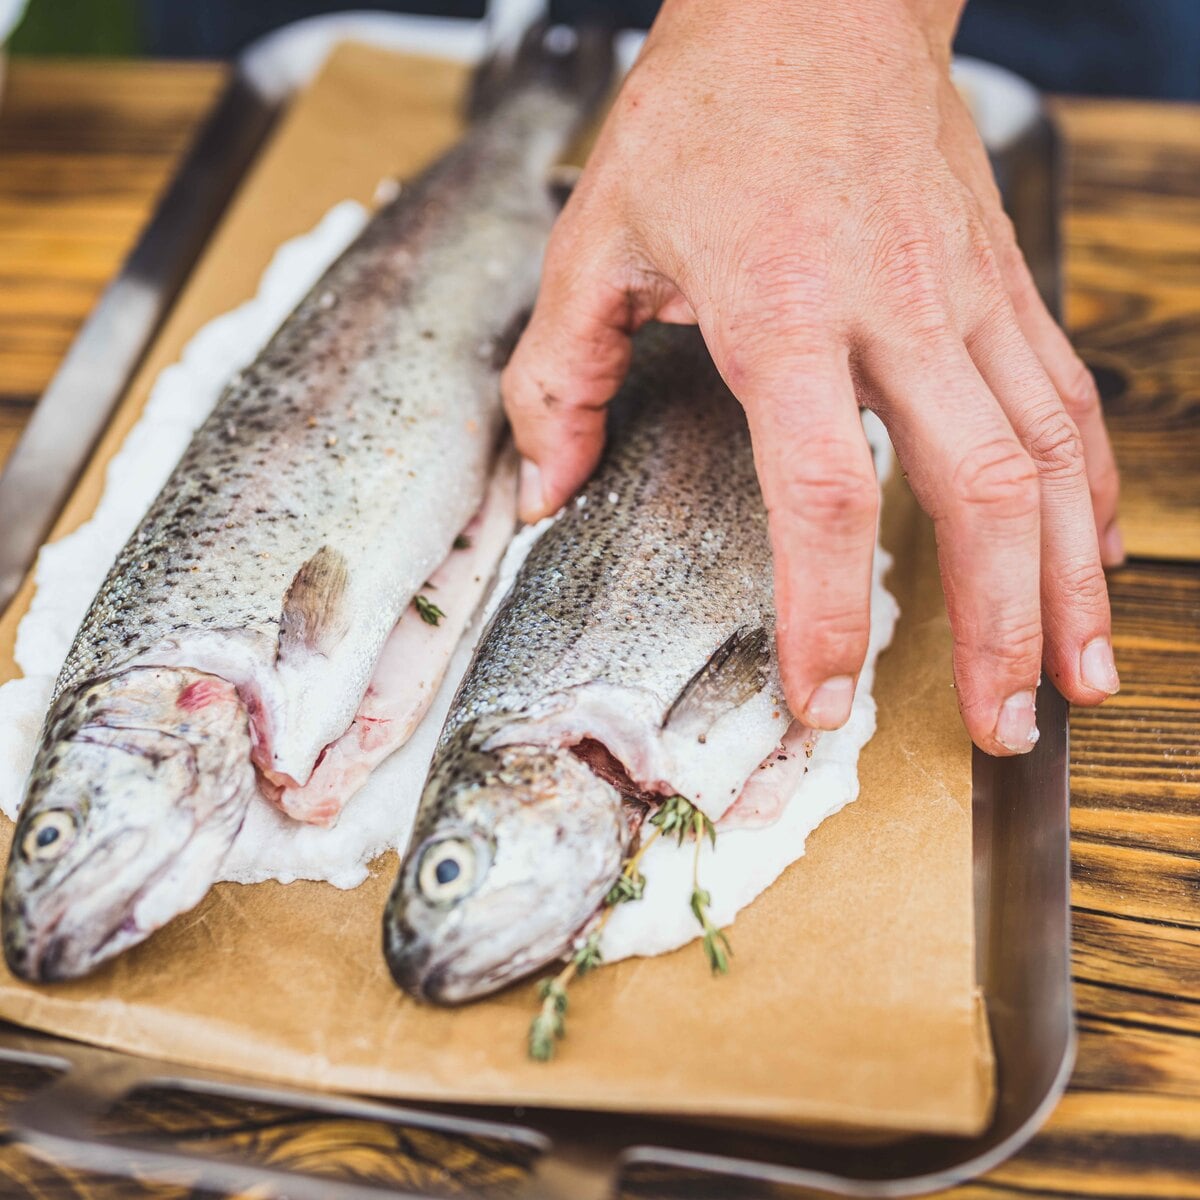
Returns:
<point x="313" y="618"/>
<point x="736" y="671"/>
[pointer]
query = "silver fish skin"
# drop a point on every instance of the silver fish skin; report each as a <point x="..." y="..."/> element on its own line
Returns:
<point x="642" y="621"/>
<point x="329" y="482"/>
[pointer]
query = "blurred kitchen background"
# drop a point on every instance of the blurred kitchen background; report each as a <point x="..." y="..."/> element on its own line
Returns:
<point x="1148" y="48"/>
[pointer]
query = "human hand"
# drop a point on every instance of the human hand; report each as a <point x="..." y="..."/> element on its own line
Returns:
<point x="804" y="181"/>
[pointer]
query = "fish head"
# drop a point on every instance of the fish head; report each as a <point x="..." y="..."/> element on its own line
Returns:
<point x="518" y="850"/>
<point x="138" y="787"/>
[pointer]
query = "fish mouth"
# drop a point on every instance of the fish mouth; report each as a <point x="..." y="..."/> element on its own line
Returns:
<point x="458" y="971"/>
<point x="52" y="953"/>
<point x="444" y="983"/>
<point x="411" y="961"/>
<point x="445" y="972"/>
<point x="28" y="957"/>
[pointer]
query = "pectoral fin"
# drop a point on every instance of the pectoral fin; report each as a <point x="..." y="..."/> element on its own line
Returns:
<point x="314" y="618"/>
<point x="735" y="672"/>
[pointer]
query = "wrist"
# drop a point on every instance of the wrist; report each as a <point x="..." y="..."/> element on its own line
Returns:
<point x="935" y="20"/>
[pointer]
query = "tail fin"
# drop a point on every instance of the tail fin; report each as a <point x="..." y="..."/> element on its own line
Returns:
<point x="575" y="61"/>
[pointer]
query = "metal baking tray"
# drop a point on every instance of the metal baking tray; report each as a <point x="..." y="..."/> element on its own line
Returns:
<point x="1020" y="807"/>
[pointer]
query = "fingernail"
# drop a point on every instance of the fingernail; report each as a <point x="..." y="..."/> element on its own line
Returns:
<point x="1112" y="546"/>
<point x="829" y="705"/>
<point x="531" y="500"/>
<point x="1097" y="668"/>
<point x="1016" y="727"/>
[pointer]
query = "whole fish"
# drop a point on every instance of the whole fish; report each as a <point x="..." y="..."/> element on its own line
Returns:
<point x="632" y="660"/>
<point x="235" y="637"/>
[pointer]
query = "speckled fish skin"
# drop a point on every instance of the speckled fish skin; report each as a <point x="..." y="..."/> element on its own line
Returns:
<point x="366" y="428"/>
<point x="328" y="483"/>
<point x="644" y="619"/>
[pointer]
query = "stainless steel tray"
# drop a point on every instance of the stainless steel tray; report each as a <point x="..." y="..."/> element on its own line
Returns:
<point x="1021" y="846"/>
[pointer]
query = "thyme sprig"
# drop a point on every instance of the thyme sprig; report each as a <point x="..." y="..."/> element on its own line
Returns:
<point x="427" y="610"/>
<point x="676" y="817"/>
<point x="550" y="1024"/>
<point x="680" y="817"/>
<point x="716" y="944"/>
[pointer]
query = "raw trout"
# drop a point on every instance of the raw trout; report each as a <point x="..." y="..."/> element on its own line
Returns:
<point x="235" y="637"/>
<point x="632" y="660"/>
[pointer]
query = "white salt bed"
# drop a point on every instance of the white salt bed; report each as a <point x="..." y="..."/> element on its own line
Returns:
<point x="270" y="846"/>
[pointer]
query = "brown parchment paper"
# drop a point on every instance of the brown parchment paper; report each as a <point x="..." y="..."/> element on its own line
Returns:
<point x="852" y="998"/>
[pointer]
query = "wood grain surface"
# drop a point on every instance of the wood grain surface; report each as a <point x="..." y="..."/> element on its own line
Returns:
<point x="1131" y="228"/>
<point x="84" y="149"/>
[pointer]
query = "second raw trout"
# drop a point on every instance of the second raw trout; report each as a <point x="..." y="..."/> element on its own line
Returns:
<point x="633" y="660"/>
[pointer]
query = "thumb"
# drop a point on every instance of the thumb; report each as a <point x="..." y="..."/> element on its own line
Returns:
<point x="569" y="362"/>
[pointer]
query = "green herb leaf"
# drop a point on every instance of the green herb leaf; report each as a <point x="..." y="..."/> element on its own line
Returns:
<point x="628" y="887"/>
<point x="550" y="1023"/>
<point x="545" y="1029"/>
<point x="673" y="817"/>
<point x="462" y="542"/>
<point x="588" y="955"/>
<point x="718" y="950"/>
<point x="716" y="944"/>
<point x="427" y="610"/>
<point x="677" y="815"/>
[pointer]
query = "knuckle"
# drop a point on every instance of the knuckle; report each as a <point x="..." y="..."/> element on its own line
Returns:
<point x="999" y="477"/>
<point x="840" y="498"/>
<point x="1056" y="447"/>
<point x="516" y="385"/>
<point x="790" y="278"/>
<point x="784" y="303"/>
<point x="1014" y="645"/>
<point x="981" y="256"/>
<point x="986" y="668"/>
<point x="1021" y="288"/>
<point x="1009" y="649"/>
<point x="1082" y="582"/>
<point x="536" y="394"/>
<point x="838" y="634"/>
<point x="906" y="262"/>
<point x="1004" y="236"/>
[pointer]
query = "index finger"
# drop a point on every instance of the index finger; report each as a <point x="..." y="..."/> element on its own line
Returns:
<point x="566" y="367"/>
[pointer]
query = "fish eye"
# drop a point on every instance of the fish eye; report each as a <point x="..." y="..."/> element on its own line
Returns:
<point x="447" y="870"/>
<point x="49" y="836"/>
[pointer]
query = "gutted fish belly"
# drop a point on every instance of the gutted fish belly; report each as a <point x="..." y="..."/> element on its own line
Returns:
<point x="413" y="660"/>
<point x="633" y="659"/>
<point x="328" y="484"/>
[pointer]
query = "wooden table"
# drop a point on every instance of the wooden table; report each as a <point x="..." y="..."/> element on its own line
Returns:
<point x="85" y="150"/>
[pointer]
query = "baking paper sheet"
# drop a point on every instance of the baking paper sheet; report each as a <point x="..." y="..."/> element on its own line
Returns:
<point x="852" y="997"/>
